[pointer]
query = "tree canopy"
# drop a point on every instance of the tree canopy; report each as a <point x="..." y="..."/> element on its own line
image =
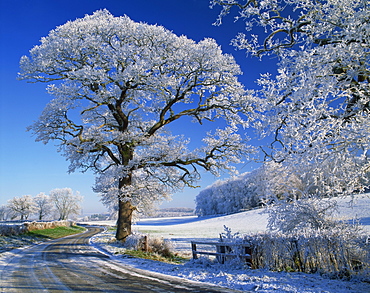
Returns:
<point x="315" y="110"/>
<point x="117" y="84"/>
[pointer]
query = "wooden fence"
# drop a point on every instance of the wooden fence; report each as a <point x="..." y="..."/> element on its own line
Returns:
<point x="223" y="250"/>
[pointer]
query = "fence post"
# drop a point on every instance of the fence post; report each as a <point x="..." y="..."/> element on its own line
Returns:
<point x="248" y="250"/>
<point x="194" y="250"/>
<point x="146" y="243"/>
<point x="220" y="249"/>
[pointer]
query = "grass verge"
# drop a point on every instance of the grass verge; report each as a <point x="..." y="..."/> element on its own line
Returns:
<point x="55" y="233"/>
<point x="173" y="258"/>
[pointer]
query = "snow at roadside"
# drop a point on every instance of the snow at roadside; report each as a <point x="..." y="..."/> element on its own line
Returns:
<point x="182" y="230"/>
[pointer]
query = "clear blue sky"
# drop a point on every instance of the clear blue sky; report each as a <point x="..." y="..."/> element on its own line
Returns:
<point x="28" y="167"/>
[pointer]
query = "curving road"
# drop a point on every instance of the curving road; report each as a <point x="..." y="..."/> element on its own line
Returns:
<point x="70" y="264"/>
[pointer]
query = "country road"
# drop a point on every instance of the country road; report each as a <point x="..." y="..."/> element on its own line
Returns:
<point x="70" y="264"/>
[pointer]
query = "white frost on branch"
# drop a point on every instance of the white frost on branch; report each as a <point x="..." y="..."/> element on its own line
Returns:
<point x="315" y="110"/>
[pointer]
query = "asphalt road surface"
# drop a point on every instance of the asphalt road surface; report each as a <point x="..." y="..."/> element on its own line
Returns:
<point x="70" y="264"/>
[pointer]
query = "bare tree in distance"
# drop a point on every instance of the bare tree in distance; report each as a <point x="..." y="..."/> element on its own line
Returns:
<point x="66" y="202"/>
<point x="5" y="213"/>
<point x="22" y="206"/>
<point x="118" y="87"/>
<point x="43" y="205"/>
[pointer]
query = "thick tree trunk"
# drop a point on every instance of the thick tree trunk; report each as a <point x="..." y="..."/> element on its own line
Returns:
<point x="125" y="210"/>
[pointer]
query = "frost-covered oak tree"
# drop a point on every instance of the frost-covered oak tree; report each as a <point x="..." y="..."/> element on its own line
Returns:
<point x="316" y="108"/>
<point x="118" y="85"/>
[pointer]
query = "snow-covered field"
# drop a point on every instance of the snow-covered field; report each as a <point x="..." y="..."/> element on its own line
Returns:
<point x="182" y="230"/>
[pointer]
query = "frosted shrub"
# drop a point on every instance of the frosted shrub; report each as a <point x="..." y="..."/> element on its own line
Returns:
<point x="237" y="240"/>
<point x="301" y="214"/>
<point x="8" y="230"/>
<point x="136" y="241"/>
<point x="160" y="246"/>
<point x="340" y="252"/>
<point x="229" y="236"/>
<point x="304" y="237"/>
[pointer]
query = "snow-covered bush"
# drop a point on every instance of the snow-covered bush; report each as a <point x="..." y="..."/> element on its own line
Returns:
<point x="136" y="241"/>
<point x="341" y="252"/>
<point x="160" y="246"/>
<point x="298" y="215"/>
<point x="12" y="229"/>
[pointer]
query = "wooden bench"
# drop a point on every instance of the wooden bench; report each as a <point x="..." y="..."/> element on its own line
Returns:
<point x="223" y="250"/>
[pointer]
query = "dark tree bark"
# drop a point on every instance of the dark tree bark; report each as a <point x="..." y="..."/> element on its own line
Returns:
<point x="125" y="210"/>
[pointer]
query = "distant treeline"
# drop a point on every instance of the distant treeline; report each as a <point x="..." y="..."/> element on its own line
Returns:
<point x="173" y="212"/>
